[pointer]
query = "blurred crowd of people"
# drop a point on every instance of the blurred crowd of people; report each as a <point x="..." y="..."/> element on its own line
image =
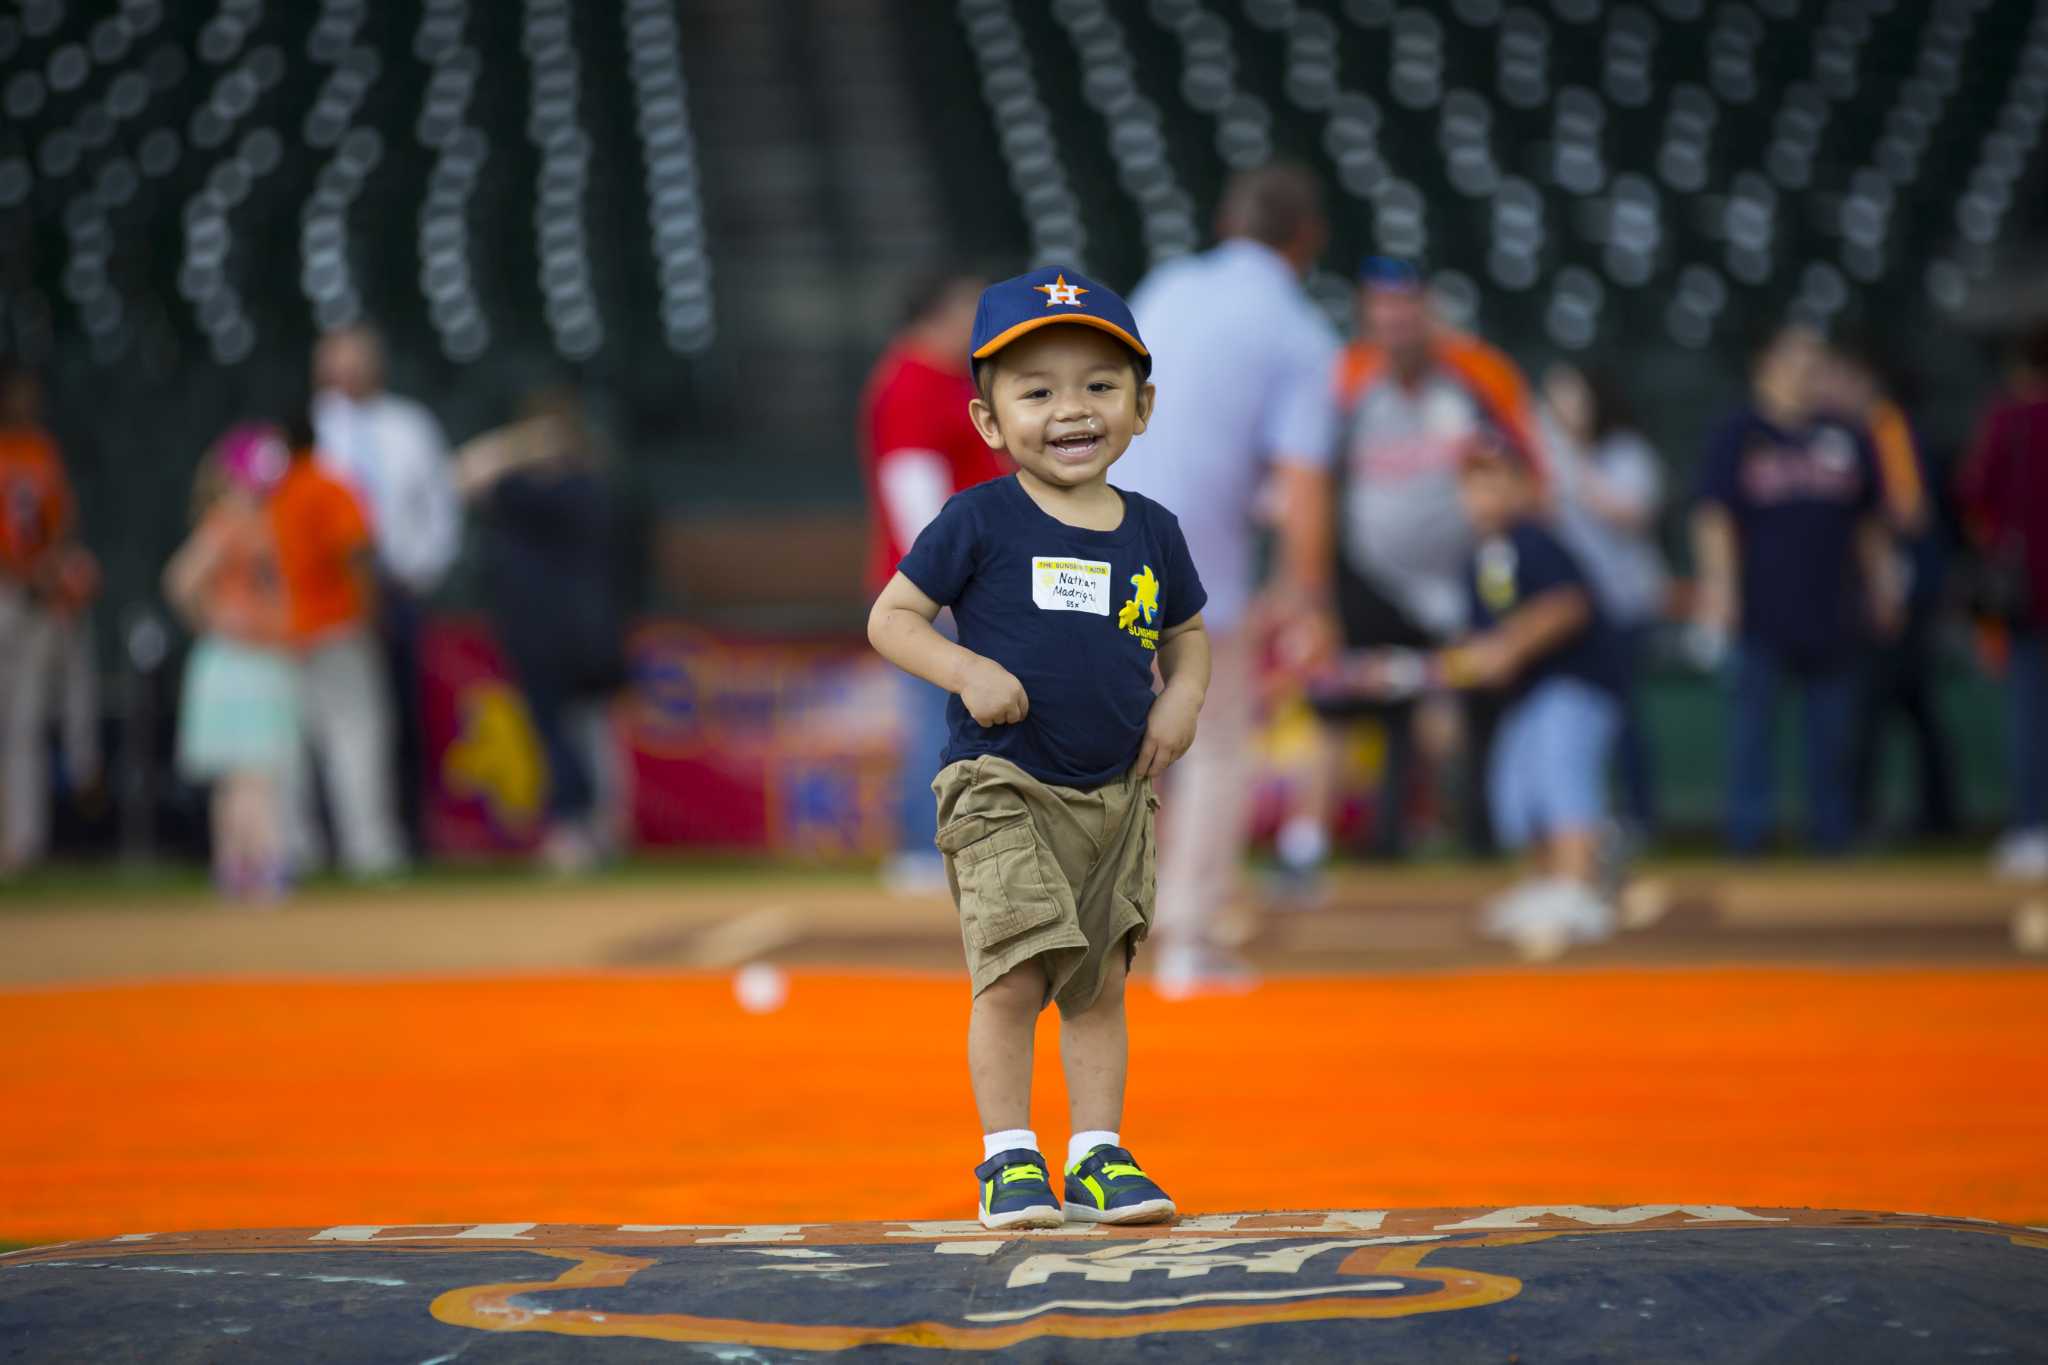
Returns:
<point x="1413" y="534"/>
<point x="1331" y="492"/>
<point x="317" y="534"/>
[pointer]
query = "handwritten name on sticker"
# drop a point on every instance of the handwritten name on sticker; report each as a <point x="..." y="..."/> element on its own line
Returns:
<point x="1070" y="585"/>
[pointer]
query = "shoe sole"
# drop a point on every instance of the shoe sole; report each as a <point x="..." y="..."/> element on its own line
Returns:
<point x="1151" y="1211"/>
<point x="1035" y="1216"/>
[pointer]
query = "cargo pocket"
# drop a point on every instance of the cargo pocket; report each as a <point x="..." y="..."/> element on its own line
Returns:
<point x="1003" y="892"/>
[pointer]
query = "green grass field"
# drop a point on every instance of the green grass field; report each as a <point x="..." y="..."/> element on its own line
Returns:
<point x="68" y="885"/>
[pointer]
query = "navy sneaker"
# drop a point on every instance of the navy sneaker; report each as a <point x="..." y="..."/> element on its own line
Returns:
<point x="1015" y="1192"/>
<point x="1106" y="1186"/>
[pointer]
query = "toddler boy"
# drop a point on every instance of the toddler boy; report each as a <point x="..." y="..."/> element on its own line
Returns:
<point x="1065" y="591"/>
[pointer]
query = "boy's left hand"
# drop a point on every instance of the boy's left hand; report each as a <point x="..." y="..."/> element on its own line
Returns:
<point x="1169" y="730"/>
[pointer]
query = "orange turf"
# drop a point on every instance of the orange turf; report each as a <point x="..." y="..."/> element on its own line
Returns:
<point x="644" y="1098"/>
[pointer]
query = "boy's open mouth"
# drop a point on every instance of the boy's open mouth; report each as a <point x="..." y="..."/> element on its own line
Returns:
<point x="1076" y="448"/>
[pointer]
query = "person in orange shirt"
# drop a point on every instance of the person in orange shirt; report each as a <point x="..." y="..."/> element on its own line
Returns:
<point x="238" y="715"/>
<point x="35" y="520"/>
<point x="1413" y="394"/>
<point x="324" y="554"/>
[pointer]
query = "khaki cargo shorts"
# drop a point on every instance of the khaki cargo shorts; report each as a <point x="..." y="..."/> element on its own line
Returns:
<point x="1054" y="873"/>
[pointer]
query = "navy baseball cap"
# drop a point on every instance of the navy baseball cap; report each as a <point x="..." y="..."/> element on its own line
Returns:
<point x="1390" y="272"/>
<point x="1039" y="298"/>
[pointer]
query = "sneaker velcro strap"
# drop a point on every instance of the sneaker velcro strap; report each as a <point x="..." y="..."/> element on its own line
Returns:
<point x="1114" y="1163"/>
<point x="1019" y="1159"/>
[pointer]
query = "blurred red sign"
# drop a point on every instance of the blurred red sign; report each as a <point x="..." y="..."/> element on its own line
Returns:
<point x="776" y="745"/>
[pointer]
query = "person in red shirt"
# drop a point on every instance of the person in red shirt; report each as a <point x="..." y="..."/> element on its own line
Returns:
<point x="2005" y="508"/>
<point x="918" y="448"/>
<point x="35" y="522"/>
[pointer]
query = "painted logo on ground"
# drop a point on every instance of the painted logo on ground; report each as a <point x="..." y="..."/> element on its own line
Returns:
<point x="954" y="1286"/>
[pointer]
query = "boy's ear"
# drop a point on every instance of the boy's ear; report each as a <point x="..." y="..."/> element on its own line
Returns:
<point x="983" y="415"/>
<point x="1146" y="395"/>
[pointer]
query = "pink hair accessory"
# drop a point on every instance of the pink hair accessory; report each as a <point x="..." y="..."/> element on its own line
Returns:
<point x="254" y="457"/>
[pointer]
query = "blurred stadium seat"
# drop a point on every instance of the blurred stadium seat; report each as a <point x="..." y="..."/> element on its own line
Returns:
<point x="702" y="209"/>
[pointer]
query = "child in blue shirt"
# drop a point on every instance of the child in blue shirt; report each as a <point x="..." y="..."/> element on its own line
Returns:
<point x="1539" y="636"/>
<point x="1066" y="592"/>
<point x="1535" y="635"/>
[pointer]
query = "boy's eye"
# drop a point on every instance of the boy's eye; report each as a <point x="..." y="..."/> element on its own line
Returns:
<point x="1102" y="386"/>
<point x="1038" y="393"/>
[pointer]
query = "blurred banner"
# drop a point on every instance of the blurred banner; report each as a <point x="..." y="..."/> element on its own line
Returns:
<point x="724" y="742"/>
<point x="788" y="745"/>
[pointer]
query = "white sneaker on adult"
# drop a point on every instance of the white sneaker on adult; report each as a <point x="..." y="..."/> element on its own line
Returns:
<point x="1183" y="971"/>
<point x="2021" y="856"/>
<point x="1557" y="915"/>
<point x="1507" y="913"/>
<point x="1586" y="913"/>
<point x="567" y="851"/>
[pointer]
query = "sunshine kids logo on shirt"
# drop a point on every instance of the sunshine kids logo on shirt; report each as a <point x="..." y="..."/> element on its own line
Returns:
<point x="1497" y="563"/>
<point x="1144" y="604"/>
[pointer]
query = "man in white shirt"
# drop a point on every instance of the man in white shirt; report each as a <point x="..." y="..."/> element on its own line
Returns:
<point x="1246" y="419"/>
<point x="392" y="452"/>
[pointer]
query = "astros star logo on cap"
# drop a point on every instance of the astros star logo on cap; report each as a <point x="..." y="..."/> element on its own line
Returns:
<point x="1051" y="296"/>
<point x="1059" y="291"/>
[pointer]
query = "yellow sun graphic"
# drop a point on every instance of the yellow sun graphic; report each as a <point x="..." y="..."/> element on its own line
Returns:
<point x="1144" y="599"/>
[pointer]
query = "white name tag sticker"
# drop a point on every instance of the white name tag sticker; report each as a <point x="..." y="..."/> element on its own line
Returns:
<point x="1070" y="585"/>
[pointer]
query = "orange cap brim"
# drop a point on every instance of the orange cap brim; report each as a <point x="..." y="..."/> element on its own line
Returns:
<point x="1008" y="335"/>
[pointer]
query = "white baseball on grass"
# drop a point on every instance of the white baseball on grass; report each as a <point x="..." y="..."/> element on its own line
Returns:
<point x="760" y="987"/>
<point x="2030" y="927"/>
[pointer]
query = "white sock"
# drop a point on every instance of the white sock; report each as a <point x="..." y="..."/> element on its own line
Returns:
<point x="1081" y="1144"/>
<point x="1302" y="842"/>
<point x="1008" y="1140"/>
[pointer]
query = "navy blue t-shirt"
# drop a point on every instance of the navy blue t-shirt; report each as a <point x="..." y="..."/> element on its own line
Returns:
<point x="1796" y="497"/>
<point x="1520" y="564"/>
<point x="1075" y="614"/>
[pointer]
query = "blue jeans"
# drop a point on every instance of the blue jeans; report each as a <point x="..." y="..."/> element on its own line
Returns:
<point x="1828" y="705"/>
<point x="1632" y="755"/>
<point x="549" y="700"/>
<point x="2027" y="697"/>
<point x="921" y="714"/>
<point x="1547" y="774"/>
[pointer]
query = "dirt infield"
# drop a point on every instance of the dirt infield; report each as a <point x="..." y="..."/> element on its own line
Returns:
<point x="665" y="917"/>
<point x="652" y="1097"/>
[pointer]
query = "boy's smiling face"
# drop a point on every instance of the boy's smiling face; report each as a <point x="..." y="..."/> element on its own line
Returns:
<point x="1065" y="403"/>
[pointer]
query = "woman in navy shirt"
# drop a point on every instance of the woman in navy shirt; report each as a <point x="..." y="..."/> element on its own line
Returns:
<point x="1792" y="562"/>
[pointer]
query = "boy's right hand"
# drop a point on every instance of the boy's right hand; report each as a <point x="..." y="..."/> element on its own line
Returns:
<point x="992" y="694"/>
